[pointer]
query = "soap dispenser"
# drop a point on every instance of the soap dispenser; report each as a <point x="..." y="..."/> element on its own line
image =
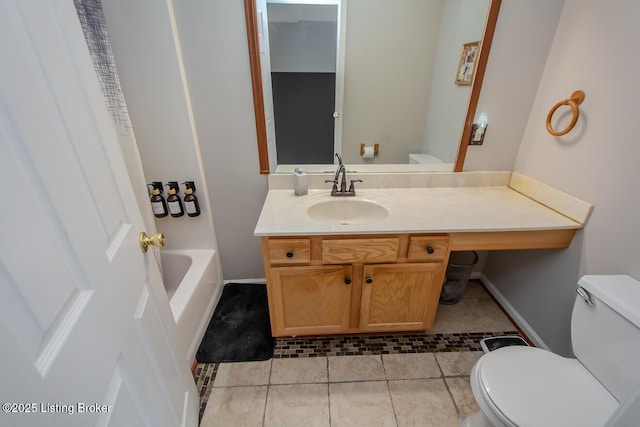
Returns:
<point x="300" y="183"/>
<point x="190" y="200"/>
<point x="158" y="203"/>
<point x="173" y="200"/>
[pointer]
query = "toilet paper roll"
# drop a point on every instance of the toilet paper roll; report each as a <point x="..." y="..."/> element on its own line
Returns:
<point x="368" y="153"/>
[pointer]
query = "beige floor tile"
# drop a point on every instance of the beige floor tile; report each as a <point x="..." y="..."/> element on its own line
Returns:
<point x="462" y="396"/>
<point x="235" y="406"/>
<point x="355" y="368"/>
<point x="471" y="315"/>
<point x="475" y="289"/>
<point x="457" y="362"/>
<point x="297" y="371"/>
<point x="423" y="403"/>
<point x="243" y="373"/>
<point x="361" y="404"/>
<point x="410" y="366"/>
<point x="297" y="405"/>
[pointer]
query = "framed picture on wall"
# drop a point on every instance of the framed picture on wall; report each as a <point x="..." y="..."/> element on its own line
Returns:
<point x="467" y="65"/>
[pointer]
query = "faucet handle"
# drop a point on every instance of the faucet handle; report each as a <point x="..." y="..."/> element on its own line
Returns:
<point x="351" y="188"/>
<point x="335" y="183"/>
<point x="334" y="189"/>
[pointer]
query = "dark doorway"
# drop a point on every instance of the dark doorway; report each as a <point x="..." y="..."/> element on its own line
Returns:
<point x="303" y="106"/>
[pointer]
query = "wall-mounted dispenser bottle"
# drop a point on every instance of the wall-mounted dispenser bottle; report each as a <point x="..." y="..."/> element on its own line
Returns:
<point x="190" y="200"/>
<point x="173" y="200"/>
<point x="158" y="203"/>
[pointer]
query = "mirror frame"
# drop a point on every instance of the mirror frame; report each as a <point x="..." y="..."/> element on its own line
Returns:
<point x="251" y="19"/>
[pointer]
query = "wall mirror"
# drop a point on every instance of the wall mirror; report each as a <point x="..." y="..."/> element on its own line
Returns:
<point x="387" y="73"/>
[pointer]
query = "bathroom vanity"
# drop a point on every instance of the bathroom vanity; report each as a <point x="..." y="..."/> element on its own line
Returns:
<point x="376" y="262"/>
<point x="354" y="283"/>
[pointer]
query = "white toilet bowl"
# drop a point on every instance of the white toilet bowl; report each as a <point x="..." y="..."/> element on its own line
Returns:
<point x="520" y="386"/>
<point x="527" y="386"/>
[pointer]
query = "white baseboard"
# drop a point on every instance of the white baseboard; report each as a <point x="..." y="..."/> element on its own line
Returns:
<point x="260" y="280"/>
<point x="502" y="300"/>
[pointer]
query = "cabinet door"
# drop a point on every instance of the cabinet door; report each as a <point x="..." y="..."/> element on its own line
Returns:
<point x="310" y="300"/>
<point x="400" y="297"/>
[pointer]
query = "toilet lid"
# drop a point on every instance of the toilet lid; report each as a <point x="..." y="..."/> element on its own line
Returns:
<point x="531" y="386"/>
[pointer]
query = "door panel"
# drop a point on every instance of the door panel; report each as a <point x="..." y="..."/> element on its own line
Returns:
<point x="79" y="319"/>
<point x="127" y="404"/>
<point x="303" y="106"/>
<point x="267" y="91"/>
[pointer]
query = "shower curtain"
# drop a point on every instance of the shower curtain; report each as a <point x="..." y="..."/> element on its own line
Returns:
<point x="94" y="27"/>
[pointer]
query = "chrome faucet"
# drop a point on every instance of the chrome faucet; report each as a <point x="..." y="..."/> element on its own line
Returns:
<point x="343" y="183"/>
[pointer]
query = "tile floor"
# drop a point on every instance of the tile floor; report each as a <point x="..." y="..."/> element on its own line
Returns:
<point x="359" y="381"/>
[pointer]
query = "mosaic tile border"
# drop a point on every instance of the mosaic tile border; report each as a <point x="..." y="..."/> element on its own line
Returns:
<point x="381" y="344"/>
<point x="204" y="376"/>
<point x="205" y="373"/>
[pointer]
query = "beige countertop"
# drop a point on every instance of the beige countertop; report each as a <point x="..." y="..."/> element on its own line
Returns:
<point x="415" y="210"/>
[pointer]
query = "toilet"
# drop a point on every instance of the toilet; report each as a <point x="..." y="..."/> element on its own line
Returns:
<point x="528" y="386"/>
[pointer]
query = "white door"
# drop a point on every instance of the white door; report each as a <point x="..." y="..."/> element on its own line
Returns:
<point x="86" y="336"/>
<point x="267" y="91"/>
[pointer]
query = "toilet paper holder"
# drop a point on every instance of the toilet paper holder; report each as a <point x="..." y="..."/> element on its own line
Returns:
<point x="376" y="149"/>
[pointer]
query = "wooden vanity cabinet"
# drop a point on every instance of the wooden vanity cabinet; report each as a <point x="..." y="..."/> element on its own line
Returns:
<point x="310" y="300"/>
<point x="321" y="285"/>
<point x="400" y="297"/>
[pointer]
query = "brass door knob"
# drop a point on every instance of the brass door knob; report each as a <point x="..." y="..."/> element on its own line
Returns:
<point x="155" y="240"/>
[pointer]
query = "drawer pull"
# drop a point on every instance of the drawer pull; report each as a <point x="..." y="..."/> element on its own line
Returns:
<point x="290" y="253"/>
<point x="430" y="250"/>
<point x="347" y="280"/>
<point x="368" y="280"/>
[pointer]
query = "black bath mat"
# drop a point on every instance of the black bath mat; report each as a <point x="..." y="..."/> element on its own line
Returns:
<point x="239" y="330"/>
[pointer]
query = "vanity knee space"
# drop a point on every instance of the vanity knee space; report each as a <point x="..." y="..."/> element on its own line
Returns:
<point x="321" y="285"/>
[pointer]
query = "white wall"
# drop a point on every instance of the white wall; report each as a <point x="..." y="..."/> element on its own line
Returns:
<point x="148" y="62"/>
<point x="521" y="43"/>
<point x="594" y="49"/>
<point x="390" y="51"/>
<point x="463" y="21"/>
<point x="303" y="37"/>
<point x="214" y="46"/>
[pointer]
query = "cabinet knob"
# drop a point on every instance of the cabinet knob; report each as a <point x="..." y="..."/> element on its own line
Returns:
<point x="290" y="253"/>
<point x="347" y="280"/>
<point x="430" y="250"/>
<point x="368" y="280"/>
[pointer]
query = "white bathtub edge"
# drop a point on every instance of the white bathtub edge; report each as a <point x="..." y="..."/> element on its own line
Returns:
<point x="195" y="298"/>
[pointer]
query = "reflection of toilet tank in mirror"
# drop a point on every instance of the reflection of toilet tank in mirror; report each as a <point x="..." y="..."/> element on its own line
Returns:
<point x="427" y="159"/>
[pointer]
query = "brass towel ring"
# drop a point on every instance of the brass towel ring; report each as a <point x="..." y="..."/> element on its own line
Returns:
<point x="576" y="98"/>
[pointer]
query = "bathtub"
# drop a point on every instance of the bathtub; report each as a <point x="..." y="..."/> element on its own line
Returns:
<point x="193" y="282"/>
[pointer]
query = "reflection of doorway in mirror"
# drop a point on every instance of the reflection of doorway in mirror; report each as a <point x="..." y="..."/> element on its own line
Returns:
<point x="302" y="43"/>
<point x="402" y="117"/>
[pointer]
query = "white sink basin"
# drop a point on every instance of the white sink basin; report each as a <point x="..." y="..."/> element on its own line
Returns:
<point x="347" y="211"/>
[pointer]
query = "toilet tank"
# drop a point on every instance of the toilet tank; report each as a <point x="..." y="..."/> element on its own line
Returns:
<point x="605" y="331"/>
<point x="424" y="159"/>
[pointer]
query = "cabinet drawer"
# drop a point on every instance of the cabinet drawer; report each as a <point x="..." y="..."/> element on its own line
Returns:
<point x="347" y="251"/>
<point x="427" y="248"/>
<point x="289" y="251"/>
